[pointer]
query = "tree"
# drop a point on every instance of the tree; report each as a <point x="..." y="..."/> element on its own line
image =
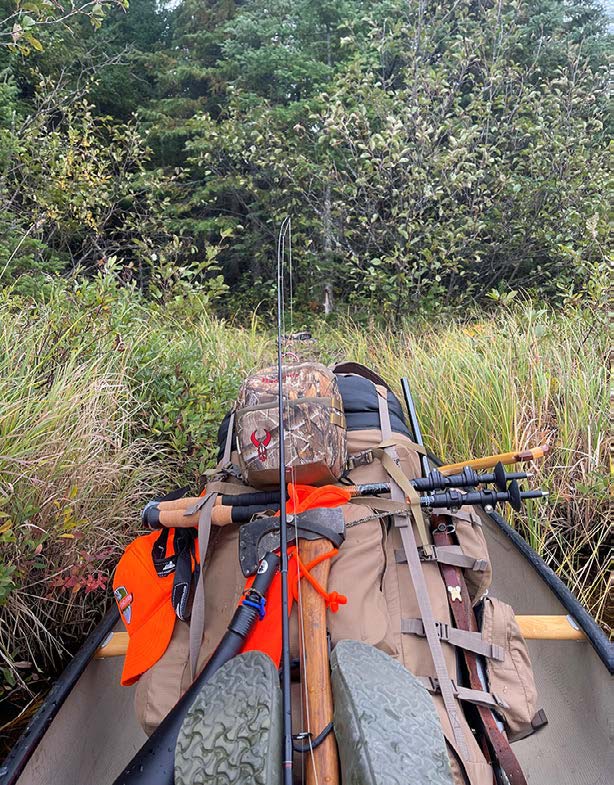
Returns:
<point x="436" y="164"/>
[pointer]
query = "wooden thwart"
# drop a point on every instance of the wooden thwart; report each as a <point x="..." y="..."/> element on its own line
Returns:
<point x="538" y="628"/>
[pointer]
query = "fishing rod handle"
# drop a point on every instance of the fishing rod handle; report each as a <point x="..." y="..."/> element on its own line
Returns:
<point x="220" y="516"/>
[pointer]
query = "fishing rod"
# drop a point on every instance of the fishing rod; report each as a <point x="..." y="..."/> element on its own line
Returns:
<point x="287" y="775"/>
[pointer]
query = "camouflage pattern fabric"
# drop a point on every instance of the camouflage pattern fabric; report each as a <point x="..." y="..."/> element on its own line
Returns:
<point x="314" y="423"/>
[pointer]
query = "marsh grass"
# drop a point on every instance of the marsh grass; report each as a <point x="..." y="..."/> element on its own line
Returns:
<point x="107" y="400"/>
<point x="104" y="404"/>
<point x="521" y="378"/>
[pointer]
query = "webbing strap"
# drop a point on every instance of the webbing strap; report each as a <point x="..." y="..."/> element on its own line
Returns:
<point x="228" y="446"/>
<point x="197" y="622"/>
<point x="471" y="641"/>
<point x="393" y="441"/>
<point x="479" y="697"/>
<point x="403" y="523"/>
<point x="378" y="504"/>
<point x="204" y="506"/>
<point x="446" y="554"/>
<point x="395" y="472"/>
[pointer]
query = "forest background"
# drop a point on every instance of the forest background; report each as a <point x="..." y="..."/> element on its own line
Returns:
<point x="445" y="165"/>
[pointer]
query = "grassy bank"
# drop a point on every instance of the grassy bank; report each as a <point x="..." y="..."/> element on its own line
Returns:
<point x="108" y="400"/>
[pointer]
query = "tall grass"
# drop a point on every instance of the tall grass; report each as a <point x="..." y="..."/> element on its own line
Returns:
<point x="106" y="400"/>
<point x="521" y="378"/>
<point x="104" y="403"/>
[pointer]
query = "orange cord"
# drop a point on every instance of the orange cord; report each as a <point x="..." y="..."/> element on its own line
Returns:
<point x="332" y="599"/>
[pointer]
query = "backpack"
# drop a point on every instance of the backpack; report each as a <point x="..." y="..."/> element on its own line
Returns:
<point x="314" y="424"/>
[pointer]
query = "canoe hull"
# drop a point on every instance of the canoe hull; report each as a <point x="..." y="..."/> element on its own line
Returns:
<point x="95" y="733"/>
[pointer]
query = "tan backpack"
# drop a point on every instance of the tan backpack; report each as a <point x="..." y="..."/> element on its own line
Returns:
<point x="314" y="423"/>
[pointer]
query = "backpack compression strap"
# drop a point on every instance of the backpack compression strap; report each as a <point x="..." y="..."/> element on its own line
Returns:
<point x="404" y="525"/>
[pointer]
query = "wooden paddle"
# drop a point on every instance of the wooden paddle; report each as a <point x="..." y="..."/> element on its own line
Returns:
<point x="538" y="628"/>
<point x="322" y="764"/>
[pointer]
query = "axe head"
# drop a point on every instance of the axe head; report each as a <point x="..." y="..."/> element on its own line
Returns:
<point x="261" y="536"/>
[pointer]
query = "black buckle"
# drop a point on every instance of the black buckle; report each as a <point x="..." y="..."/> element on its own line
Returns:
<point x="426" y="556"/>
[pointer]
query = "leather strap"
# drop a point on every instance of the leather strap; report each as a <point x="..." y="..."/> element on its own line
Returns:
<point x="471" y="641"/>
<point x="464" y="618"/>
<point x="403" y="522"/>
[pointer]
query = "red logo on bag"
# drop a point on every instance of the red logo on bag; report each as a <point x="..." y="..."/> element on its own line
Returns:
<point x="261" y="443"/>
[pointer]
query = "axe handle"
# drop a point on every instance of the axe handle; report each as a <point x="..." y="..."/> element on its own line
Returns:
<point x="323" y="765"/>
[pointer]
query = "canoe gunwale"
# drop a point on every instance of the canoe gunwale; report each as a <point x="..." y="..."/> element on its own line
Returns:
<point x="595" y="634"/>
<point x="20" y="754"/>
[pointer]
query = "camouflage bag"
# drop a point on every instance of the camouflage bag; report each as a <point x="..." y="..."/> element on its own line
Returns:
<point x="314" y="423"/>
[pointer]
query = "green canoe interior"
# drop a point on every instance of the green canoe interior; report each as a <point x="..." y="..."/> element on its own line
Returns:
<point x="95" y="733"/>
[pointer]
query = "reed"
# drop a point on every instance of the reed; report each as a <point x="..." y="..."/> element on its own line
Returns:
<point x="520" y="378"/>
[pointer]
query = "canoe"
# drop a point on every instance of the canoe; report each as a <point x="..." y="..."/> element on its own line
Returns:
<point x="86" y="731"/>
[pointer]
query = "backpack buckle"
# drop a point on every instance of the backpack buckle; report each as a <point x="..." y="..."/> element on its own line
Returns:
<point x="426" y="555"/>
<point x="363" y="458"/>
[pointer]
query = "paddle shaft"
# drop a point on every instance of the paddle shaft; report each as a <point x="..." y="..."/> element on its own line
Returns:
<point x="153" y="764"/>
<point x="322" y="764"/>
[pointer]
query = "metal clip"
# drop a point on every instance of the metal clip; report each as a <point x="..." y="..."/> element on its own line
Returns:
<point x="445" y="528"/>
<point x="363" y="458"/>
<point x="433" y="683"/>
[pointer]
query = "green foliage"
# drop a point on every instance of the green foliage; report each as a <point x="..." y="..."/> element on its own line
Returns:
<point x="108" y="399"/>
<point x="23" y="24"/>
<point x="525" y="376"/>
<point x="429" y="155"/>
<point x="439" y="163"/>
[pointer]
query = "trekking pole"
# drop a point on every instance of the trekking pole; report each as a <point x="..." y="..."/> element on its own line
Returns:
<point x="506" y="458"/>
